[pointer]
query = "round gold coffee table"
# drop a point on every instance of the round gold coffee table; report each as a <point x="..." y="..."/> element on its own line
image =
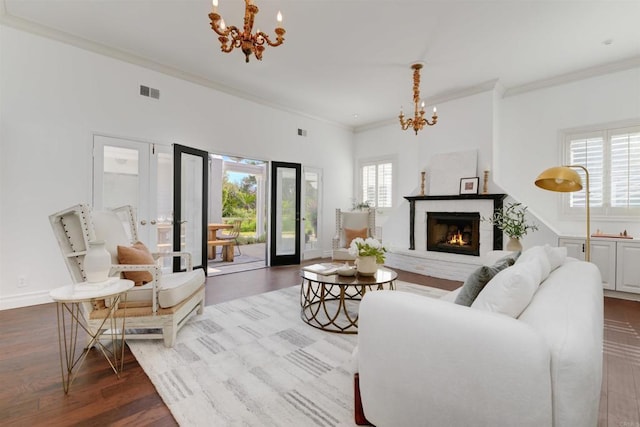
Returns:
<point x="331" y="302"/>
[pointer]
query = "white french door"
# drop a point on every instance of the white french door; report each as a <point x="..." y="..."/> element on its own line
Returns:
<point x="284" y="238"/>
<point x="312" y="213"/>
<point x="140" y="174"/>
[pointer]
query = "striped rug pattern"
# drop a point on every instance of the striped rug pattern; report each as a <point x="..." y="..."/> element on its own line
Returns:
<point x="253" y="362"/>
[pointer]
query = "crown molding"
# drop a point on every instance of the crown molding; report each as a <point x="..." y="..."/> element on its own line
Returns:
<point x="101" y="49"/>
<point x="586" y="73"/>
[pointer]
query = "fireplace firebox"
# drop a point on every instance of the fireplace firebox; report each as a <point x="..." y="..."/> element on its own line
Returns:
<point x="454" y="232"/>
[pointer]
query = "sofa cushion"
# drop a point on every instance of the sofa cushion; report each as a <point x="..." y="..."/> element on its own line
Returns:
<point x="350" y="234"/>
<point x="137" y="254"/>
<point x="175" y="287"/>
<point x="537" y="255"/>
<point x="479" y="278"/>
<point x="511" y="290"/>
<point x="556" y="255"/>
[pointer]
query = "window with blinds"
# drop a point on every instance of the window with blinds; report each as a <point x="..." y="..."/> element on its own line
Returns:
<point x="377" y="183"/>
<point x="612" y="157"/>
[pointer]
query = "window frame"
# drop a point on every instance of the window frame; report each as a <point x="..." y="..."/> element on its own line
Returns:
<point x="606" y="131"/>
<point x="377" y="161"/>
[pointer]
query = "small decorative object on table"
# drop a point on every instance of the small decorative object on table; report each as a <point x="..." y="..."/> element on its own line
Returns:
<point x="346" y="270"/>
<point x="511" y="219"/>
<point x="369" y="253"/>
<point x="97" y="262"/>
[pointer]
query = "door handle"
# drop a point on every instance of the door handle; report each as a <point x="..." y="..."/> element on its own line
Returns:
<point x="143" y="222"/>
<point x="153" y="222"/>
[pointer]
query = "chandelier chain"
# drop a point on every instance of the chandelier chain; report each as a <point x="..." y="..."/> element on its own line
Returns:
<point x="418" y="122"/>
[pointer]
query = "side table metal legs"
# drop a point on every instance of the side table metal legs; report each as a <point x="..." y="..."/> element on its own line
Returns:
<point x="70" y="320"/>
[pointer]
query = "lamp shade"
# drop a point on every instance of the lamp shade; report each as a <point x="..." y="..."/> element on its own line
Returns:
<point x="559" y="178"/>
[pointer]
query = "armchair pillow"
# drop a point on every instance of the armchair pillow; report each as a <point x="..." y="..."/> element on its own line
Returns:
<point x="350" y="234"/>
<point x="137" y="254"/>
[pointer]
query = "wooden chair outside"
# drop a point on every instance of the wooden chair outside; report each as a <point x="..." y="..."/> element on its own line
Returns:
<point x="231" y="236"/>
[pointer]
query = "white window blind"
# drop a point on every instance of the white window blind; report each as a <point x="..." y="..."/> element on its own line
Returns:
<point x="588" y="152"/>
<point x="369" y="184"/>
<point x="625" y="170"/>
<point x="377" y="183"/>
<point x="612" y="157"/>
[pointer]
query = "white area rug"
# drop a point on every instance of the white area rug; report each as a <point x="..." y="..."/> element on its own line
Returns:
<point x="254" y="362"/>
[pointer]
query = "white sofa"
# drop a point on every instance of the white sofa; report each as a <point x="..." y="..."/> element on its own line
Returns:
<point x="429" y="362"/>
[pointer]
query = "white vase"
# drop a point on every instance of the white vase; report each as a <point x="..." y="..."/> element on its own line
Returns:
<point x="97" y="262"/>
<point x="366" y="265"/>
<point x="514" y="244"/>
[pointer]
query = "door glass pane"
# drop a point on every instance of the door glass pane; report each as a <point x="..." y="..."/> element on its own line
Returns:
<point x="311" y="185"/>
<point x="286" y="211"/>
<point x="164" y="206"/>
<point x="191" y="207"/>
<point x="120" y="178"/>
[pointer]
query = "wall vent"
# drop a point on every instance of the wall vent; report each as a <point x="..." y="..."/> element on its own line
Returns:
<point x="302" y="132"/>
<point x="149" y="92"/>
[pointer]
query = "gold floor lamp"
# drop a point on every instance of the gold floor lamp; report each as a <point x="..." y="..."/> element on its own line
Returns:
<point x="564" y="179"/>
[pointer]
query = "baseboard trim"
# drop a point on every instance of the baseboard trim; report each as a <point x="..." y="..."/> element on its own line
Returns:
<point x="621" y="295"/>
<point x="25" y="300"/>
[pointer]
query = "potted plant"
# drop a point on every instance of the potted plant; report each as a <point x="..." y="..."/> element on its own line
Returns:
<point x="369" y="253"/>
<point x="511" y="219"/>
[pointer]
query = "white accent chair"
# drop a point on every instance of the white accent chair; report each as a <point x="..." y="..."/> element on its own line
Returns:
<point x="354" y="220"/>
<point x="155" y="310"/>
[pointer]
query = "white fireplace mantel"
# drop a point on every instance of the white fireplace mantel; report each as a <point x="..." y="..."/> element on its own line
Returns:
<point x="453" y="201"/>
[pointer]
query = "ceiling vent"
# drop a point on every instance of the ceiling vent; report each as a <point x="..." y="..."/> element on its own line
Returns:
<point x="149" y="92"/>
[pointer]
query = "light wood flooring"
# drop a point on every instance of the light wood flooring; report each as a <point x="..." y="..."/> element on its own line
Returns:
<point x="31" y="390"/>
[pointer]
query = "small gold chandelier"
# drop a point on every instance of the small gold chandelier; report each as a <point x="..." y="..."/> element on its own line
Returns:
<point x="231" y="37"/>
<point x="418" y="121"/>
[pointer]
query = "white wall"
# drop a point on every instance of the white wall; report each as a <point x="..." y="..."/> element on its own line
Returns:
<point x="517" y="138"/>
<point x="54" y="96"/>
<point x="463" y="124"/>
<point x="529" y="140"/>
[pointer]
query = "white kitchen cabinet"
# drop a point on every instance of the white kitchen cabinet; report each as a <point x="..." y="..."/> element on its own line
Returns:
<point x="605" y="253"/>
<point x="628" y="267"/>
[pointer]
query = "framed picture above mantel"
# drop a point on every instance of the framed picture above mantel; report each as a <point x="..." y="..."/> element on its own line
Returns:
<point x="469" y="185"/>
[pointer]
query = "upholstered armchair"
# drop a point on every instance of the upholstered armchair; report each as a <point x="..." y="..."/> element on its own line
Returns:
<point x="350" y="225"/>
<point x="156" y="309"/>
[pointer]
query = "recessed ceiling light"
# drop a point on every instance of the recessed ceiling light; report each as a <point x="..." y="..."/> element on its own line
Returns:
<point x="355" y="115"/>
<point x="607" y="42"/>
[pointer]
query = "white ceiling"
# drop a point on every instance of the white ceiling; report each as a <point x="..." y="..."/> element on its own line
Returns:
<point x="346" y="57"/>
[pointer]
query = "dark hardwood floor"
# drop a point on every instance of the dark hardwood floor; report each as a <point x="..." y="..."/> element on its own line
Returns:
<point x="31" y="391"/>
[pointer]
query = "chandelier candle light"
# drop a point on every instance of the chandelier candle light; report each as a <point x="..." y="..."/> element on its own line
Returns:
<point x="418" y="121"/>
<point x="231" y="37"/>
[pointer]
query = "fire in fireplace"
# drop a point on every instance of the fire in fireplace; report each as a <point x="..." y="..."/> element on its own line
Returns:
<point x="454" y="232"/>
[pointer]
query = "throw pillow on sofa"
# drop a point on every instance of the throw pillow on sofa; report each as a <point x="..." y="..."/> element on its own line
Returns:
<point x="556" y="255"/>
<point x="479" y="278"/>
<point x="539" y="255"/>
<point x="511" y="290"/>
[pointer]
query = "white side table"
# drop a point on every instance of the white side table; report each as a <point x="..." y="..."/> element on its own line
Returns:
<point x="70" y="318"/>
